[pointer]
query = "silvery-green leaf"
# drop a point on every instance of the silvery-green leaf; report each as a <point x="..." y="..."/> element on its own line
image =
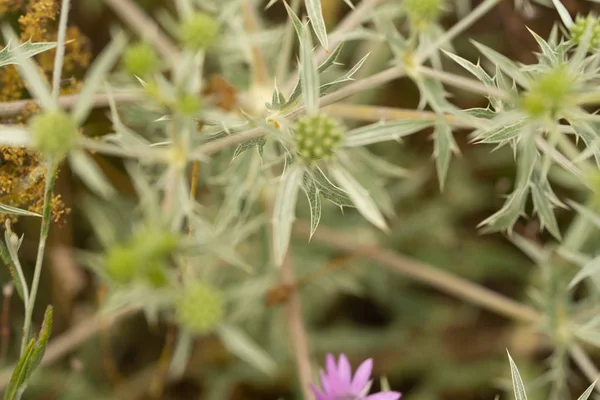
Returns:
<point x="359" y="196"/>
<point x="96" y="75"/>
<point x="315" y="14"/>
<point x="588" y="270"/>
<point x="295" y="20"/>
<point x="246" y="349"/>
<point x="284" y="211"/>
<point x="346" y="77"/>
<point x="547" y="51"/>
<point x="331" y="58"/>
<point x="505" y="218"/>
<point x="309" y="77"/>
<point x="89" y="172"/>
<point x="14" y="136"/>
<point x="249" y="144"/>
<point x="563" y="13"/>
<point x="27" y="49"/>
<point x="543" y="207"/>
<point x="383" y="131"/>
<point x="6" y="209"/>
<point x="444" y="146"/>
<point x="36" y="84"/>
<point x="588" y="336"/>
<point x="330" y="191"/>
<point x="590" y="215"/>
<point x="587" y="392"/>
<point x="376" y="164"/>
<point x="526" y="158"/>
<point x="484" y="113"/>
<point x="476" y="70"/>
<point x="518" y="386"/>
<point x="505" y="64"/>
<point x="502" y="134"/>
<point x="314" y="201"/>
<point x="588" y="133"/>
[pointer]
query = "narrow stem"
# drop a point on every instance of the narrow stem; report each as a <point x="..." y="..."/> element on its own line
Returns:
<point x="260" y="72"/>
<point x="554" y="136"/>
<point x="60" y="49"/>
<point x="585" y="364"/>
<point x="457" y="29"/>
<point x="463" y="83"/>
<point x="45" y="228"/>
<point x="297" y="330"/>
<point x="440" y="279"/>
<point x="145" y="27"/>
<point x="99" y="100"/>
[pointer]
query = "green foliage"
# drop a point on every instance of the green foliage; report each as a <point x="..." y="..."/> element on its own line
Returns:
<point x="30" y="360"/>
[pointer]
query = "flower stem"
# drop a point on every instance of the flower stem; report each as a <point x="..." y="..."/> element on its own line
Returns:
<point x="60" y="49"/>
<point x="45" y="228"/>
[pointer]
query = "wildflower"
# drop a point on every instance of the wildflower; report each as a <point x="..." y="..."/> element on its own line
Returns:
<point x="200" y="308"/>
<point x="338" y="384"/>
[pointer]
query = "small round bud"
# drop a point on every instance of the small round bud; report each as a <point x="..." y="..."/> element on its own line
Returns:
<point x="548" y="94"/>
<point x="189" y="104"/>
<point x="53" y="132"/>
<point x="200" y="308"/>
<point x="122" y="264"/>
<point x="153" y="243"/>
<point x="423" y="12"/>
<point x="199" y="32"/>
<point x="140" y="59"/>
<point x="581" y="25"/>
<point x="317" y="137"/>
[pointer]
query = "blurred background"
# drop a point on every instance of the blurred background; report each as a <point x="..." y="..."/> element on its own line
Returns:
<point x="428" y="344"/>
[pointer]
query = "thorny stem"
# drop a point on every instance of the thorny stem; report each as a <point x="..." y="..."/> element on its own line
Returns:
<point x="44" y="230"/>
<point x="60" y="49"/>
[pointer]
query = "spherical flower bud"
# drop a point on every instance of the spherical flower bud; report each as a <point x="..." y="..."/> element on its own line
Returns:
<point x="121" y="264"/>
<point x="53" y="133"/>
<point x="548" y="94"/>
<point x="422" y="12"/>
<point x="199" y="32"/>
<point x="189" y="104"/>
<point x="317" y="137"/>
<point x="140" y="59"/>
<point x="200" y="308"/>
<point x="581" y="25"/>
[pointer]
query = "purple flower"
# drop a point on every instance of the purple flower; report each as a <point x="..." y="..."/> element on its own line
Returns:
<point x="337" y="382"/>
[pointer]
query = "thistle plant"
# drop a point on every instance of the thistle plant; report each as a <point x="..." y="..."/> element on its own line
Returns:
<point x="219" y="118"/>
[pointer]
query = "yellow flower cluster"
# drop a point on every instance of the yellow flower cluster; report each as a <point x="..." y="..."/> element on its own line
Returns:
<point x="21" y="176"/>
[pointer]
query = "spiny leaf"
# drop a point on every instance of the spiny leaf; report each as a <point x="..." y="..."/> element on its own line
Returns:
<point x="309" y="76"/>
<point x="588" y="391"/>
<point x="444" y="146"/>
<point x="383" y="131"/>
<point x="359" y="196"/>
<point x="89" y="172"/>
<point x="504" y="63"/>
<point x="284" y="211"/>
<point x="314" y="201"/>
<point x="330" y="191"/>
<point x="27" y="49"/>
<point x="518" y="386"/>
<point x="590" y="269"/>
<point x="315" y="14"/>
<point x="543" y="207"/>
<point x="502" y="134"/>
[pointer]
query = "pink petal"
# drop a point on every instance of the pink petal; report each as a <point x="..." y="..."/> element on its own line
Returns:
<point x="344" y="371"/>
<point x="325" y="383"/>
<point x="384" y="396"/>
<point x="330" y="365"/>
<point x="362" y="375"/>
<point x="318" y="394"/>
